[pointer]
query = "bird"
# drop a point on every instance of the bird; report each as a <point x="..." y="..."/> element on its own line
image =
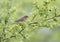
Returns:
<point x="22" y="19"/>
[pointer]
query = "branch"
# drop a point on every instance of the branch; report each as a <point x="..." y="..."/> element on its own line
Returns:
<point x="45" y="20"/>
<point x="34" y="17"/>
<point x="51" y="18"/>
<point x="23" y="35"/>
<point x="21" y="30"/>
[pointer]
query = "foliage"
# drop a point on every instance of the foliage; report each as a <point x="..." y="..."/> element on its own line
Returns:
<point x="44" y="14"/>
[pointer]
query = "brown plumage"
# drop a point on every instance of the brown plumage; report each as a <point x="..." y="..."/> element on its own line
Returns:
<point x="22" y="19"/>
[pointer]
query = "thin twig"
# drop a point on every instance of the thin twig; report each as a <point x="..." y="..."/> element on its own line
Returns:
<point x="34" y="17"/>
<point x="51" y="18"/>
<point x="23" y="35"/>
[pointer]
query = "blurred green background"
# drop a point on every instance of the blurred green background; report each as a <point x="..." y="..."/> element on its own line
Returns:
<point x="14" y="9"/>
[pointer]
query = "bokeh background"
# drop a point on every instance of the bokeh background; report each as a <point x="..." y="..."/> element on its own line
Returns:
<point x="14" y="9"/>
